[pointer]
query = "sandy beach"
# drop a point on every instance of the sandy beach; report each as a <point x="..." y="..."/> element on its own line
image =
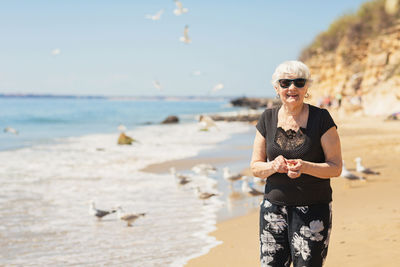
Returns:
<point x="366" y="215"/>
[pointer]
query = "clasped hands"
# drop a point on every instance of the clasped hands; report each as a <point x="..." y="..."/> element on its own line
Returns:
<point x="290" y="166"/>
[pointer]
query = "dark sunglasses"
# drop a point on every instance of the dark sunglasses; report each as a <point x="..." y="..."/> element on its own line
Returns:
<point x="299" y="82"/>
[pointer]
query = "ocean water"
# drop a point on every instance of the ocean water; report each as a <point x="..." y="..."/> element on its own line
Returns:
<point x="66" y="155"/>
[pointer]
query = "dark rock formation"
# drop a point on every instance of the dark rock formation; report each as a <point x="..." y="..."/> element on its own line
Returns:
<point x="254" y="103"/>
<point x="171" y="119"/>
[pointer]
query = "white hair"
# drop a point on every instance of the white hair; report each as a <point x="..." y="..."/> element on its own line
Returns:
<point x="295" y="67"/>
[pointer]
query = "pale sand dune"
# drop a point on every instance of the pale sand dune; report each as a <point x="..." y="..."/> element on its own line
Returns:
<point x="366" y="214"/>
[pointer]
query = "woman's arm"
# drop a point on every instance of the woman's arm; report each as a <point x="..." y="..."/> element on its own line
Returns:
<point x="259" y="166"/>
<point x="332" y="167"/>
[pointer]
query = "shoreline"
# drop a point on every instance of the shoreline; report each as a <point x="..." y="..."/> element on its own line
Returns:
<point x="234" y="153"/>
<point x="366" y="217"/>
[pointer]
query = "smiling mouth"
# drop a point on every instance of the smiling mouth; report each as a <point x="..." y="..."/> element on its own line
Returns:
<point x="287" y="95"/>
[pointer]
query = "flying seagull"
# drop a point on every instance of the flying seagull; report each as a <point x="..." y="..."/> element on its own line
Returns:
<point x="98" y="213"/>
<point x="348" y="175"/>
<point x="56" y="52"/>
<point x="179" y="8"/>
<point x="217" y="87"/>
<point x="185" y="38"/>
<point x="196" y="73"/>
<point x="10" y="130"/>
<point x="157" y="85"/>
<point x="156" y="16"/>
<point x="129" y="218"/>
<point x="361" y="168"/>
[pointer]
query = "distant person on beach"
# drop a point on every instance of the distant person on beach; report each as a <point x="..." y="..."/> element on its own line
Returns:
<point x="296" y="149"/>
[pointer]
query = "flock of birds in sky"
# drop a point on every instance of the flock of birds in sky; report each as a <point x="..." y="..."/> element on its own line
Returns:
<point x="178" y="11"/>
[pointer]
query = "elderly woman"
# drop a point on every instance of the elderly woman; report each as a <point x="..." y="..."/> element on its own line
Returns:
<point x="297" y="149"/>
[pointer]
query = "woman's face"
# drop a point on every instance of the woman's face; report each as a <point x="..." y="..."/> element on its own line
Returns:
<point x="292" y="94"/>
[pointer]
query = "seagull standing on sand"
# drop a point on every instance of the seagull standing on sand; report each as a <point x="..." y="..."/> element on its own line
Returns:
<point x="348" y="175"/>
<point x="361" y="168"/>
<point x="182" y="179"/>
<point x="156" y="16"/>
<point x="129" y="218"/>
<point x="98" y="213"/>
<point x="121" y="128"/>
<point x="231" y="177"/>
<point x="205" y="195"/>
<point x="10" y="130"/>
<point x="246" y="188"/>
<point x="260" y="181"/>
<point x="185" y="38"/>
<point x="207" y="122"/>
<point x="179" y="8"/>
<point x="204" y="168"/>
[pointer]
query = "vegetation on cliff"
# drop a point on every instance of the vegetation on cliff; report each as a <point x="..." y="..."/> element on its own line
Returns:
<point x="370" y="20"/>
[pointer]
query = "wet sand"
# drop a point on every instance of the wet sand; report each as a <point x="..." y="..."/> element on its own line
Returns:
<point x="366" y="214"/>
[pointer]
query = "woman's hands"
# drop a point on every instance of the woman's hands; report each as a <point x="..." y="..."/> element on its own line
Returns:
<point x="279" y="164"/>
<point x="293" y="167"/>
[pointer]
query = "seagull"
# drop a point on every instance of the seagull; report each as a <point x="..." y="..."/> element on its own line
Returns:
<point x="56" y="52"/>
<point x="217" y="87"/>
<point x="128" y="217"/>
<point x="204" y="168"/>
<point x="348" y="175"/>
<point x="204" y="195"/>
<point x="361" y="168"/>
<point x="207" y="122"/>
<point x="182" y="179"/>
<point x="121" y="128"/>
<point x="196" y="73"/>
<point x="179" y="8"/>
<point x="10" y="130"/>
<point x="185" y="38"/>
<point x="260" y="181"/>
<point x="246" y="188"/>
<point x="98" y="213"/>
<point x="156" y="16"/>
<point x="157" y="85"/>
<point x="231" y="177"/>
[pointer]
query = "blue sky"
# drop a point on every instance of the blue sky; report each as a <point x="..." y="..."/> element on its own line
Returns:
<point x="110" y="48"/>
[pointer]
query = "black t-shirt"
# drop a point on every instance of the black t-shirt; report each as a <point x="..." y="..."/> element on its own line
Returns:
<point x="306" y="189"/>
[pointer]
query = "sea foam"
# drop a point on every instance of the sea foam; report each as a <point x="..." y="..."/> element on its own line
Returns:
<point x="46" y="189"/>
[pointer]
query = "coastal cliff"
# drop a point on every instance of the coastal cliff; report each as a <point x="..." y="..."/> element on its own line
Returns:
<point x="358" y="59"/>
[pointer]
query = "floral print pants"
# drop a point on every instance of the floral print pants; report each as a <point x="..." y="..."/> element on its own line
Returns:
<point x="298" y="234"/>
